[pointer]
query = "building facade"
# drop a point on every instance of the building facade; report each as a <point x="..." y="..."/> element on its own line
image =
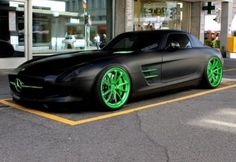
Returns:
<point x="46" y="27"/>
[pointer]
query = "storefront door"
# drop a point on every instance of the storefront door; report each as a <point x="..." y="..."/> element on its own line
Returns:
<point x="13" y="29"/>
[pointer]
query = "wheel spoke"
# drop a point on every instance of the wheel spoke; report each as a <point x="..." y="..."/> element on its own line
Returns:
<point x="210" y="66"/>
<point x="106" y="82"/>
<point x="122" y="84"/>
<point x="118" y="78"/>
<point x="214" y="63"/>
<point x="216" y="70"/>
<point x="115" y="76"/>
<point x="214" y="78"/>
<point x="109" y="97"/>
<point x="114" y="96"/>
<point x="219" y="73"/>
<point x="112" y="77"/>
<point x="121" y="89"/>
<point x="119" y="95"/>
<point x="108" y="79"/>
<point x="211" y="79"/>
<point x="211" y="76"/>
<point x="107" y="92"/>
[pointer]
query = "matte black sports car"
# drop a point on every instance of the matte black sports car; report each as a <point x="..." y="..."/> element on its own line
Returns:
<point x="131" y="65"/>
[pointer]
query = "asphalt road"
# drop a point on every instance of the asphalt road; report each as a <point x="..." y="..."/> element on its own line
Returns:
<point x="189" y="125"/>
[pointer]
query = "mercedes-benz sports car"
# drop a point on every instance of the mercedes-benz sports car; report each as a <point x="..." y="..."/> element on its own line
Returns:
<point x="132" y="64"/>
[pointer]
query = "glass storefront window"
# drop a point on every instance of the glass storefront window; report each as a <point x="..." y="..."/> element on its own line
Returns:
<point x="12" y="26"/>
<point x="155" y="14"/>
<point x="62" y="25"/>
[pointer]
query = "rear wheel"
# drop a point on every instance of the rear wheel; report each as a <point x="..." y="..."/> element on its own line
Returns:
<point x="113" y="88"/>
<point x="213" y="73"/>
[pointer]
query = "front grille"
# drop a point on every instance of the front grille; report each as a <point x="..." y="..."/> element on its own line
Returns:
<point x="32" y="87"/>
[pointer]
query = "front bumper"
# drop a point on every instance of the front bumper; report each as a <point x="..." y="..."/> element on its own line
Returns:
<point x="52" y="99"/>
<point x="37" y="90"/>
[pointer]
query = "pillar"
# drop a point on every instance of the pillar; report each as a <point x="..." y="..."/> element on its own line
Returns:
<point x="29" y="29"/>
<point x="197" y="20"/>
<point x="110" y="19"/>
<point x="129" y="15"/>
<point x="186" y="24"/>
<point x="226" y="18"/>
<point x="124" y="11"/>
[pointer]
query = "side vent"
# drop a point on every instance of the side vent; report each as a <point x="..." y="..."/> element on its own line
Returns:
<point x="151" y="74"/>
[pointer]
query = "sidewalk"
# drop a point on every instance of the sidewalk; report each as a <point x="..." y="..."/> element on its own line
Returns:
<point x="4" y="88"/>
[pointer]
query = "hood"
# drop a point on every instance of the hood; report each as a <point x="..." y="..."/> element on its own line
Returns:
<point x="57" y="64"/>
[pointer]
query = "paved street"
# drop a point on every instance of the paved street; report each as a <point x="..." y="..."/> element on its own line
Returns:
<point x="188" y="125"/>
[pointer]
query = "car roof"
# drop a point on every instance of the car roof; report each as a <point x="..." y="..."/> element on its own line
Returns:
<point x="162" y="32"/>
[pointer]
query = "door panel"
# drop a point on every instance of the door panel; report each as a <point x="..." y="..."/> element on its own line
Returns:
<point x="179" y="59"/>
<point x="179" y="65"/>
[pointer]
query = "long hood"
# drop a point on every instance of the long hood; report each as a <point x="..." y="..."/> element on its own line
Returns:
<point x="57" y="64"/>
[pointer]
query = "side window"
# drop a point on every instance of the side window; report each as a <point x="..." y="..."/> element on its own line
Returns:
<point x="180" y="40"/>
<point x="196" y="43"/>
<point x="125" y="43"/>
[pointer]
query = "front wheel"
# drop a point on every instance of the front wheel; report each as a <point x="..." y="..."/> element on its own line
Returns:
<point x="213" y="73"/>
<point x="113" y="88"/>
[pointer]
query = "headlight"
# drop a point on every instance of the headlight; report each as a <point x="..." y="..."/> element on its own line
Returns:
<point x="71" y="75"/>
<point x="50" y="78"/>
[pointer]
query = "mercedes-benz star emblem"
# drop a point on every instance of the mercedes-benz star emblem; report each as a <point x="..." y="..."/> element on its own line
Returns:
<point x="18" y="85"/>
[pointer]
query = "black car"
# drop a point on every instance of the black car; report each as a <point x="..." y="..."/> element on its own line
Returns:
<point x="131" y="65"/>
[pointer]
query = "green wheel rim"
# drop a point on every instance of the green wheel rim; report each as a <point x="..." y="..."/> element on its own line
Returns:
<point x="214" y="71"/>
<point x="115" y="87"/>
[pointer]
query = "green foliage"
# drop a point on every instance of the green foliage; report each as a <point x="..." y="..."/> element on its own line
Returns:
<point x="208" y="43"/>
<point x="216" y="43"/>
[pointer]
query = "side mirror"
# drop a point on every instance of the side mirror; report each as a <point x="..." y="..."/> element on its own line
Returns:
<point x="6" y="49"/>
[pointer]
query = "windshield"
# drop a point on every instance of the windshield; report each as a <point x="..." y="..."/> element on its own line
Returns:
<point x="135" y="41"/>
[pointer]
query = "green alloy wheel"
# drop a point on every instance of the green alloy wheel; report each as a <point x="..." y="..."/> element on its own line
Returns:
<point x="214" y="72"/>
<point x="114" y="88"/>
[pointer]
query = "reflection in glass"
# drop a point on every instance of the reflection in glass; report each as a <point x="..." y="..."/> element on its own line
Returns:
<point x="12" y="26"/>
<point x="153" y="15"/>
<point x="62" y="26"/>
